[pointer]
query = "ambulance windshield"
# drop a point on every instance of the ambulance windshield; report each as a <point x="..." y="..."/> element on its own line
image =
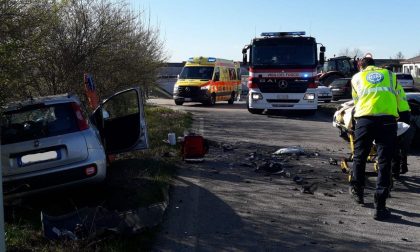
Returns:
<point x="201" y="73"/>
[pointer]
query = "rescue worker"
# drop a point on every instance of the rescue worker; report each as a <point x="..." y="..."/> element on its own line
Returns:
<point x="376" y="113"/>
<point x="399" y="161"/>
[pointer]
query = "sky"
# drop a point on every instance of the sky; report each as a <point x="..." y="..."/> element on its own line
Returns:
<point x="221" y="28"/>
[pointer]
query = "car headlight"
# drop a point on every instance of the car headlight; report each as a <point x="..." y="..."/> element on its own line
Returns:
<point x="256" y="96"/>
<point x="206" y="87"/>
<point x="309" y="96"/>
<point x="175" y="88"/>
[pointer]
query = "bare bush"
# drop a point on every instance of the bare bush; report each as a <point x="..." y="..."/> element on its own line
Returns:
<point x="56" y="43"/>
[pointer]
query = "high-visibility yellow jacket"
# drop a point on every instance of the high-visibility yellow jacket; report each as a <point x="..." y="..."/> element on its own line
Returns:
<point x="374" y="92"/>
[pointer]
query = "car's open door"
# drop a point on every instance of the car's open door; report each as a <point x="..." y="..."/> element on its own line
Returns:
<point x="121" y="122"/>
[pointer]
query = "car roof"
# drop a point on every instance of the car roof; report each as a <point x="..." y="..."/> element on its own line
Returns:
<point x="47" y="100"/>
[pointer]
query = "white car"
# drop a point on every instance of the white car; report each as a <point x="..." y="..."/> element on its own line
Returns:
<point x="324" y="94"/>
<point x="406" y="80"/>
<point x="49" y="143"/>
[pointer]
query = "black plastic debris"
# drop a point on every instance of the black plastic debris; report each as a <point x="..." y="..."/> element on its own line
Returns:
<point x="298" y="180"/>
<point x="269" y="167"/>
<point x="227" y="147"/>
<point x="90" y="223"/>
<point x="309" y="189"/>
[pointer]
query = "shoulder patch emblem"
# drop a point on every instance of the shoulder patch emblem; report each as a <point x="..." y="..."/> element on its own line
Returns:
<point x="374" y="77"/>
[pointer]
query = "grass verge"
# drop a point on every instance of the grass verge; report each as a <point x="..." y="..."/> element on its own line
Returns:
<point x="134" y="180"/>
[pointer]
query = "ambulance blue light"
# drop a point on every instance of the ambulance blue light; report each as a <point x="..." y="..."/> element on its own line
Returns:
<point x="191" y="59"/>
<point x="305" y="75"/>
<point x="211" y="59"/>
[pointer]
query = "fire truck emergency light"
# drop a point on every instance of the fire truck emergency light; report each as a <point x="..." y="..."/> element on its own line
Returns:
<point x="279" y="34"/>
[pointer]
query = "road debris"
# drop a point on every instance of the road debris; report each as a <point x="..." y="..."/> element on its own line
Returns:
<point x="333" y="161"/>
<point x="91" y="223"/>
<point x="298" y="180"/>
<point x="289" y="151"/>
<point x="309" y="189"/>
<point x="227" y="147"/>
<point x="269" y="167"/>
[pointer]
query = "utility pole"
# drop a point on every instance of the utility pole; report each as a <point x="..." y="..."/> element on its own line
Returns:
<point x="2" y="242"/>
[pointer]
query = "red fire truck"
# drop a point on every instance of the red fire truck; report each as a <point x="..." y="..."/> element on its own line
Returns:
<point x="282" y="72"/>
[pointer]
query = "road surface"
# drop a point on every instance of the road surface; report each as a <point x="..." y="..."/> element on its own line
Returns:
<point x="222" y="204"/>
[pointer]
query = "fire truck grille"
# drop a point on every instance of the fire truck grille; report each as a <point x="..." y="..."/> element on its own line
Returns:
<point x="282" y="86"/>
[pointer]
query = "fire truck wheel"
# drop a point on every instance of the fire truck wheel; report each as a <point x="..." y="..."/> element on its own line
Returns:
<point x="255" y="111"/>
<point x="213" y="99"/>
<point x="179" y="103"/>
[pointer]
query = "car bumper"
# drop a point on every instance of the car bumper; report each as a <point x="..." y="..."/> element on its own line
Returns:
<point x="273" y="102"/>
<point x="59" y="177"/>
<point x="201" y="96"/>
<point x="325" y="98"/>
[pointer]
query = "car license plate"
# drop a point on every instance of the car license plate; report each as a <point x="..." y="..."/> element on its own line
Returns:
<point x="187" y="99"/>
<point x="323" y="94"/>
<point x="38" y="157"/>
<point x="282" y="96"/>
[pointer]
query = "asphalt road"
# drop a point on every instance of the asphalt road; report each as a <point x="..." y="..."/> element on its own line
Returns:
<point x="223" y="205"/>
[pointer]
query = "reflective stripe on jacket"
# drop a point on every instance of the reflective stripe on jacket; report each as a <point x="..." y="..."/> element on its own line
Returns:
<point x="374" y="92"/>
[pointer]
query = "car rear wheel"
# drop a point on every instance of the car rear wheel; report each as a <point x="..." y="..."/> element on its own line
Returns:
<point x="178" y="102"/>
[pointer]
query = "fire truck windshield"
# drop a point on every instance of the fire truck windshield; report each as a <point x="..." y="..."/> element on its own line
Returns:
<point x="283" y="54"/>
<point x="202" y="73"/>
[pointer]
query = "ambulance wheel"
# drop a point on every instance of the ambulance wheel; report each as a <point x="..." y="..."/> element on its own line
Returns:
<point x="213" y="99"/>
<point x="232" y="98"/>
<point x="178" y="102"/>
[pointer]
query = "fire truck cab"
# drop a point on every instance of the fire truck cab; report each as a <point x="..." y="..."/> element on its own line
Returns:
<point x="282" y="72"/>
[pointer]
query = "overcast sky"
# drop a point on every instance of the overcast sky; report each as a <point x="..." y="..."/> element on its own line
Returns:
<point x="220" y="28"/>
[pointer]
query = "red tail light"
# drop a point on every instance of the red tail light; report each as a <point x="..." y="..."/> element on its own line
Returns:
<point x="90" y="171"/>
<point x="81" y="121"/>
<point x="251" y="83"/>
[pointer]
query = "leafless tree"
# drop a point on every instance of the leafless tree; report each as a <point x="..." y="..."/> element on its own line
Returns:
<point x="352" y="53"/>
<point x="399" y="56"/>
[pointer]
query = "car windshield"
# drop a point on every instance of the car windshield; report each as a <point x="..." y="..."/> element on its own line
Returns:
<point x="284" y="54"/>
<point x="404" y="77"/>
<point x="201" y="73"/>
<point x="37" y="121"/>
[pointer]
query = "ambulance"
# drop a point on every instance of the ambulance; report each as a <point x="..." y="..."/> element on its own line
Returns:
<point x="208" y="80"/>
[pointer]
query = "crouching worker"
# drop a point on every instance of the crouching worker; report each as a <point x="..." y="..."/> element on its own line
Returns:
<point x="376" y="113"/>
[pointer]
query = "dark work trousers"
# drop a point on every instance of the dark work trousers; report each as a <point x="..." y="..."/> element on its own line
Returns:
<point x="382" y="129"/>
